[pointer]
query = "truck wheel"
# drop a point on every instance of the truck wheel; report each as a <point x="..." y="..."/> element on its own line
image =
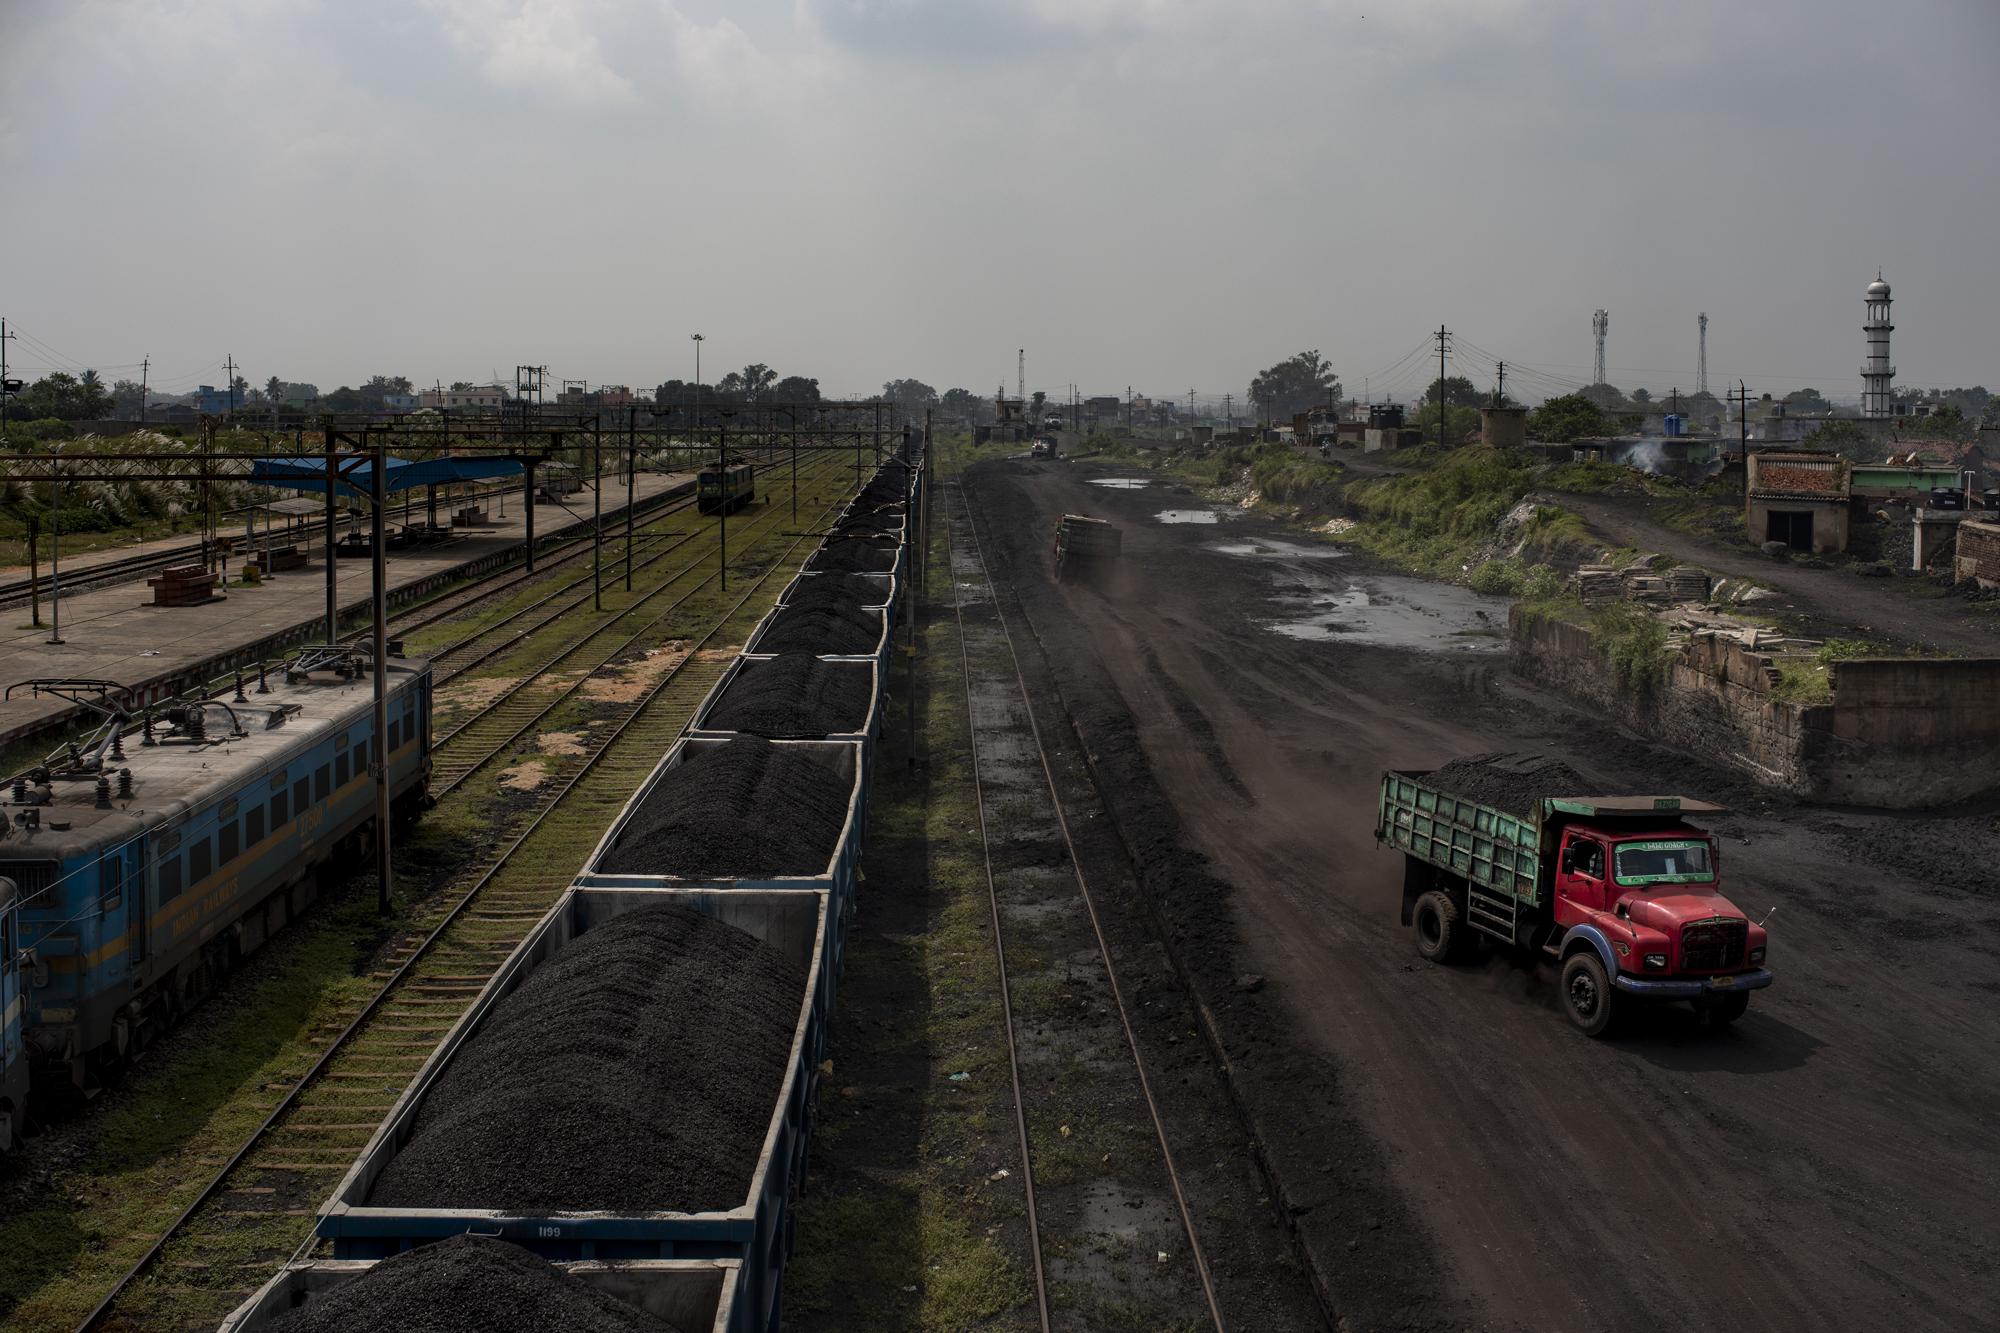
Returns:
<point x="1441" y="936"/>
<point x="1728" y="1009"/>
<point x="1587" y="994"/>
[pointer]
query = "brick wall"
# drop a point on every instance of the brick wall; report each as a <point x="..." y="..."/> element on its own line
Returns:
<point x="1979" y="553"/>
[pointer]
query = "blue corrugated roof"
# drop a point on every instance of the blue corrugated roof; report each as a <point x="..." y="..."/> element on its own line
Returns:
<point x="356" y="472"/>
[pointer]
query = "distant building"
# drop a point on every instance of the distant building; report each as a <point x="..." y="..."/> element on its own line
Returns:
<point x="485" y="398"/>
<point x="211" y="401"/>
<point x="401" y="402"/>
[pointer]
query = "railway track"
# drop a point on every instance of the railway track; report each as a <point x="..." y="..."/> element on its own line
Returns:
<point x="1061" y="1000"/>
<point x="254" y="1212"/>
<point x="503" y="720"/>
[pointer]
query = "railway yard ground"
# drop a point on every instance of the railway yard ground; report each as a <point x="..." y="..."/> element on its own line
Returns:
<point x="1129" y="1035"/>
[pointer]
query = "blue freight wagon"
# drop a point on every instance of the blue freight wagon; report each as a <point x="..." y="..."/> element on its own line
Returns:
<point x="13" y="1054"/>
<point x="701" y="1296"/>
<point x="745" y="668"/>
<point x="755" y="1229"/>
<point x="149" y="861"/>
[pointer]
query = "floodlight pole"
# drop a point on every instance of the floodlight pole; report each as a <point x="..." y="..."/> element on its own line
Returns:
<point x="55" y="556"/>
<point x="722" y="497"/>
<point x="379" y="753"/>
<point x="631" y="488"/>
<point x="597" y="515"/>
<point x="332" y="536"/>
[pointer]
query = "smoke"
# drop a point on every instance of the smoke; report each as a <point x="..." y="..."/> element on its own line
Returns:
<point x="1648" y="456"/>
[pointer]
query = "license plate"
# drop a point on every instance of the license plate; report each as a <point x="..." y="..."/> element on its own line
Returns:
<point x="1721" y="983"/>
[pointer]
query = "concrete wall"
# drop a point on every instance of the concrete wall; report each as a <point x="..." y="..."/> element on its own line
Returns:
<point x="1900" y="733"/>
<point x="1829" y="531"/>
<point x="1504" y="427"/>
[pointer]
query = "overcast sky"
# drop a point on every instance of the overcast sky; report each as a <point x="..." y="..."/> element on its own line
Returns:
<point x="1169" y="194"/>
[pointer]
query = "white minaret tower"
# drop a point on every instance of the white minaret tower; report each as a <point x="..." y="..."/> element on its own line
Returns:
<point x="1875" y="376"/>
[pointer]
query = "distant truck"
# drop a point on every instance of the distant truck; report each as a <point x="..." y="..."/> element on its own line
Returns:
<point x="1084" y="546"/>
<point x="1620" y="891"/>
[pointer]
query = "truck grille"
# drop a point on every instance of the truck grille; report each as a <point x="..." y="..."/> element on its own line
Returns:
<point x="1713" y="946"/>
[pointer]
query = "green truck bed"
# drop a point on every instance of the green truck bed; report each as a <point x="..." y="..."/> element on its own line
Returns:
<point x="1496" y="850"/>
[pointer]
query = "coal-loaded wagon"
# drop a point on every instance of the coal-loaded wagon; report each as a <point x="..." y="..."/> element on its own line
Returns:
<point x="624" y="1111"/>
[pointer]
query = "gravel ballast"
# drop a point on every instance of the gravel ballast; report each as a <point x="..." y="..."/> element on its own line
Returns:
<point x="823" y="629"/>
<point x="746" y="808"/>
<point x="1512" y="782"/>
<point x="794" y="696"/>
<point x="634" y="1072"/>
<point x="855" y="555"/>
<point x="468" y="1284"/>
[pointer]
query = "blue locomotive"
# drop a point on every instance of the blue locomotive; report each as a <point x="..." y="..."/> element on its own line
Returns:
<point x="724" y="490"/>
<point x="145" y="863"/>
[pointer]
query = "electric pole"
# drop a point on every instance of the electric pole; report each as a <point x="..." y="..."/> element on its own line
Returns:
<point x="1443" y="335"/>
<point x="7" y="386"/>
<point x="1500" y="394"/>
<point x="145" y="366"/>
<point x="1743" y="427"/>
<point x="231" y="367"/>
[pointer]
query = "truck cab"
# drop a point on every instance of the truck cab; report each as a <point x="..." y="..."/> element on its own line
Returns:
<point x="1646" y="905"/>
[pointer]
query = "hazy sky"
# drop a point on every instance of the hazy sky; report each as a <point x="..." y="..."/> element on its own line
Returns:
<point x="1169" y="194"/>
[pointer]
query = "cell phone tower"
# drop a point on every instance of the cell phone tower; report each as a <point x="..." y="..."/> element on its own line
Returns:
<point x="1600" y="324"/>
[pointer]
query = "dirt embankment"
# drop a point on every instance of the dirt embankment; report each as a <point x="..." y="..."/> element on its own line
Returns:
<point x="1453" y="1154"/>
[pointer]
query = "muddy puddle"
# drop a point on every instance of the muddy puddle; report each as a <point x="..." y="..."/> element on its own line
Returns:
<point x="1190" y="516"/>
<point x="1270" y="548"/>
<point x="1121" y="483"/>
<point x="1390" y="611"/>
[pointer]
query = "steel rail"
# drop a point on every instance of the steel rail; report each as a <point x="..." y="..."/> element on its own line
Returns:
<point x="404" y="970"/>
<point x="1096" y="925"/>
<point x="999" y="946"/>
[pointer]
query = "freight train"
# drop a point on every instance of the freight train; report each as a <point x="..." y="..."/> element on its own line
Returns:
<point x="724" y="490"/>
<point x="140" y="866"/>
<point x="723" y="1250"/>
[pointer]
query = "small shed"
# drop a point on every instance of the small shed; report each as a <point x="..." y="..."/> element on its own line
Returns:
<point x="1798" y="497"/>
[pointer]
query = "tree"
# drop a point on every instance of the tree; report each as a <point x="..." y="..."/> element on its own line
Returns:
<point x="1642" y="396"/>
<point x="460" y="386"/>
<point x="912" y="396"/>
<point x="796" y="389"/>
<point x="1295" y="384"/>
<point x="1036" y="401"/>
<point x="674" y="393"/>
<point x="966" y="405"/>
<point x="1458" y="391"/>
<point x="274" y="389"/>
<point x="1603" y="395"/>
<point x="1849" y="439"/>
<point x="65" y="397"/>
<point x="1460" y="424"/>
<point x="1570" y="417"/>
<point x="126" y="400"/>
<point x="754" y="380"/>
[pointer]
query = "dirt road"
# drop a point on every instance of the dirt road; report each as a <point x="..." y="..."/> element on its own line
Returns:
<point x="1453" y="1154"/>
<point x="1833" y="598"/>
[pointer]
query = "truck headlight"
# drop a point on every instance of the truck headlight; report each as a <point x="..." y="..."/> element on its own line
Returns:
<point x="1656" y="960"/>
<point x="1757" y="954"/>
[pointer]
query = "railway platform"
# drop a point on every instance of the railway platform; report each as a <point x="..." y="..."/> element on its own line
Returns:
<point x="114" y="632"/>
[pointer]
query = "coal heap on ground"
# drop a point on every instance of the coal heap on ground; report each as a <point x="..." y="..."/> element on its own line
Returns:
<point x="823" y="629"/>
<point x="795" y="695"/>
<point x="634" y="1072"/>
<point x="467" y="1284"/>
<point x="1512" y="782"/>
<point x="744" y="808"/>
<point x="855" y="555"/>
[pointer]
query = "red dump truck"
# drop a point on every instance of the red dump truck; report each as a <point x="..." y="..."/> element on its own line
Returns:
<point x="1621" y="891"/>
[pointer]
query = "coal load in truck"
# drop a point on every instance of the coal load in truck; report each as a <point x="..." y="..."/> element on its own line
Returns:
<point x="468" y="1284"/>
<point x="796" y="696"/>
<point x="633" y="1072"/>
<point x="1084" y="546"/>
<point x="747" y="809"/>
<point x="1511" y="782"/>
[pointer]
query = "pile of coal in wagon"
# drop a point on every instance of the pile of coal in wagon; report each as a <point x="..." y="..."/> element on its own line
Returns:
<point x="1512" y="782"/>
<point x="746" y="808"/>
<point x="635" y="1071"/>
<point x="869" y="523"/>
<point x="857" y="555"/>
<point x="467" y="1284"/>
<point x="794" y="695"/>
<point x="837" y="589"/>
<point x="834" y="628"/>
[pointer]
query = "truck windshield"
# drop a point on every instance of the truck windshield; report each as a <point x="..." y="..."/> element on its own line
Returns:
<point x="1679" y="861"/>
